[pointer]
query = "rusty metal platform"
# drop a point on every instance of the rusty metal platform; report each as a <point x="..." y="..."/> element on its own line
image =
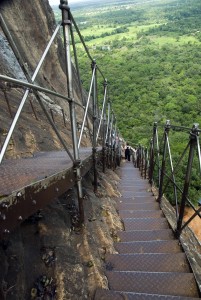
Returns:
<point x="18" y="173"/>
<point x="29" y="184"/>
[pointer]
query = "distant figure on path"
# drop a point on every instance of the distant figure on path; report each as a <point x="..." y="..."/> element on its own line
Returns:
<point x="127" y="154"/>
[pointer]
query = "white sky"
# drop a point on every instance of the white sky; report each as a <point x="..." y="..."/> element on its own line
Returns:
<point x="57" y="2"/>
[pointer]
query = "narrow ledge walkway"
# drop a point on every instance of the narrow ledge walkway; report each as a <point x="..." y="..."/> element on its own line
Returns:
<point x="150" y="263"/>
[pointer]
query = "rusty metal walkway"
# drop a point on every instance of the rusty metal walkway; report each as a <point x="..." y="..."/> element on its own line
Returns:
<point x="29" y="184"/>
<point x="150" y="263"/>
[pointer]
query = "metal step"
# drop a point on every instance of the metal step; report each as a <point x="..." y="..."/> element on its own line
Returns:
<point x="147" y="199"/>
<point x="150" y="264"/>
<point x="134" y="188"/>
<point x="166" y="262"/>
<point x="175" y="284"/>
<point x="141" y="213"/>
<point x="145" y="223"/>
<point x="137" y="183"/>
<point x="130" y="194"/>
<point x="145" y="235"/>
<point x="148" y="247"/>
<point x="113" y="295"/>
<point x="138" y="206"/>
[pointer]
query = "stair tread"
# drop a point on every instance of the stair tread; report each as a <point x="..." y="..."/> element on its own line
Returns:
<point x="114" y="295"/>
<point x="138" y="206"/>
<point x="130" y="194"/>
<point x="177" y="284"/>
<point x="164" y="246"/>
<point x="147" y="199"/>
<point x="135" y="188"/>
<point x="166" y="262"/>
<point x="150" y="263"/>
<point x="145" y="223"/>
<point x="141" y="213"/>
<point x="145" y="235"/>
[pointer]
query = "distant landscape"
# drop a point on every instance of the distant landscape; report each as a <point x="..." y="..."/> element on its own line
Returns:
<point x="150" y="51"/>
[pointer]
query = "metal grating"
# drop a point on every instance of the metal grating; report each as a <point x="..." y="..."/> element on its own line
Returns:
<point x="148" y="247"/>
<point x="148" y="262"/>
<point x="146" y="235"/>
<point x="176" y="284"/>
<point x="113" y="295"/>
<point x="145" y="223"/>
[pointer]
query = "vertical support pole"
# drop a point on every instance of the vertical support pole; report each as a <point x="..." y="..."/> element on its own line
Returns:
<point x="108" y="132"/>
<point x="118" y="150"/>
<point x="104" y="133"/>
<point x="139" y="158"/>
<point x="66" y="23"/>
<point x="111" y="141"/>
<point x="94" y="67"/>
<point x="166" y="132"/>
<point x="145" y="167"/>
<point x="114" y="146"/>
<point x="152" y="144"/>
<point x="193" y="142"/>
<point x="142" y="160"/>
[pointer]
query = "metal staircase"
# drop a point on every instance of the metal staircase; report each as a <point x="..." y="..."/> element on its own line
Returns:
<point x="150" y="263"/>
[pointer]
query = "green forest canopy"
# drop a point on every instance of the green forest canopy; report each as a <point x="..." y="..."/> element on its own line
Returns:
<point x="153" y="64"/>
<point x="150" y="51"/>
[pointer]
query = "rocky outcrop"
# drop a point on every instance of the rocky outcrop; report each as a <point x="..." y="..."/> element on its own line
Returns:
<point x="31" y="25"/>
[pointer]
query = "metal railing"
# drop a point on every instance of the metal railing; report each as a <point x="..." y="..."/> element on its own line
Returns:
<point x="103" y="123"/>
<point x="176" y="175"/>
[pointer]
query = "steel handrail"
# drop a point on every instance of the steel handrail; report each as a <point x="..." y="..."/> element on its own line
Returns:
<point x="192" y="145"/>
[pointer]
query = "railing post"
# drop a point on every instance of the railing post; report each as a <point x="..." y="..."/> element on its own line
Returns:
<point x="114" y="147"/>
<point x="193" y="142"/>
<point x="118" y="150"/>
<point x="166" y="132"/>
<point x="103" y="117"/>
<point x="109" y="135"/>
<point x="145" y="167"/>
<point x="66" y="23"/>
<point x="104" y="133"/>
<point x="94" y="68"/>
<point x="108" y="131"/>
<point x="152" y="144"/>
<point x="138" y="156"/>
<point x="142" y="160"/>
<point x="104" y="145"/>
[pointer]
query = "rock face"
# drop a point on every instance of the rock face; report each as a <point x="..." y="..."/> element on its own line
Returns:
<point x="31" y="25"/>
